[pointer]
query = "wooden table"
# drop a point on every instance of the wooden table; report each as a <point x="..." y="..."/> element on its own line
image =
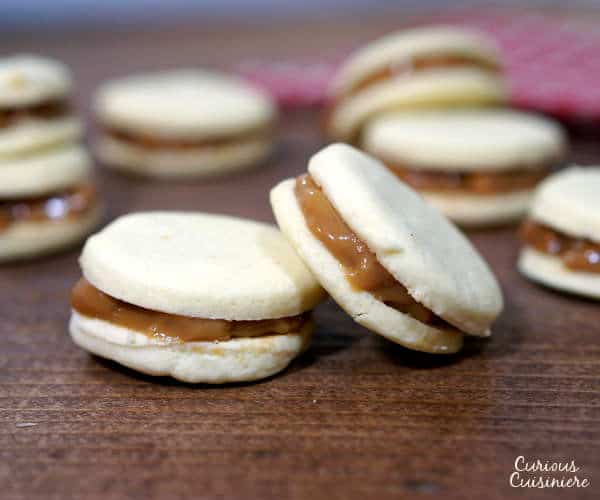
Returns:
<point x="355" y="417"/>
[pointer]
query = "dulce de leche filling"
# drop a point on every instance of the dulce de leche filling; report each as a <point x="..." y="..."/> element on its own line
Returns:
<point x="362" y="269"/>
<point x="45" y="110"/>
<point x="577" y="254"/>
<point x="481" y="183"/>
<point x="148" y="141"/>
<point x="91" y="302"/>
<point x="70" y="202"/>
<point x="418" y="64"/>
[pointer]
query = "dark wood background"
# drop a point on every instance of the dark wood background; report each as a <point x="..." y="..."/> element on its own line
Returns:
<point x="354" y="417"/>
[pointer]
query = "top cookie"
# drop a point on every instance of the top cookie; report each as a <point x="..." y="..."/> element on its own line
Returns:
<point x="43" y="173"/>
<point x="26" y="80"/>
<point x="406" y="45"/>
<point x="415" y="243"/>
<point x="465" y="140"/>
<point x="183" y="104"/>
<point x="200" y="265"/>
<point x="570" y="202"/>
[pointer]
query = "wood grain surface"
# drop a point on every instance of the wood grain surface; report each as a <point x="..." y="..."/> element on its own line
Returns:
<point x="354" y="417"/>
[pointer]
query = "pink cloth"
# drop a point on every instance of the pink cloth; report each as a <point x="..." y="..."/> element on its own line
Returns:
<point x="553" y="66"/>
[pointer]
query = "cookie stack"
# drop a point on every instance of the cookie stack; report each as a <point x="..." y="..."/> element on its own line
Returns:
<point x="46" y="199"/>
<point x="430" y="104"/>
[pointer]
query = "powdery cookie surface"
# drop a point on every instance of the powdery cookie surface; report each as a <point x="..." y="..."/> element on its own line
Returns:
<point x="44" y="172"/>
<point x="235" y="360"/>
<point x="472" y="210"/>
<point x="202" y="161"/>
<point x="28" y="80"/>
<point x="188" y="103"/>
<point x="465" y="140"/>
<point x="436" y="87"/>
<point x="361" y="306"/>
<point x="411" y="239"/>
<point x="569" y="201"/>
<point x="32" y="239"/>
<point x="402" y="47"/>
<point x="35" y="135"/>
<point x="200" y="265"/>
<point x="550" y="271"/>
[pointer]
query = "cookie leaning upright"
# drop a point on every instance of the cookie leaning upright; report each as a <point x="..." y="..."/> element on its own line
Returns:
<point x="562" y="234"/>
<point x="199" y="297"/>
<point x="389" y="259"/>
<point x="422" y="67"/>
<point x="478" y="166"/>
<point x="188" y="122"/>
<point x="46" y="199"/>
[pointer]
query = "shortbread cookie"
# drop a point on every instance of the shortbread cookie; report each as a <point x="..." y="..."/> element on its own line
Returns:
<point x="199" y="297"/>
<point x="388" y="258"/>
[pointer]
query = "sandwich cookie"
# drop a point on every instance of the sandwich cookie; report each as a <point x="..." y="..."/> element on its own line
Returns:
<point x="479" y="167"/>
<point x="34" y="112"/>
<point x="199" y="297"/>
<point x="562" y="234"/>
<point x="46" y="202"/>
<point x="183" y="123"/>
<point x="389" y="259"/>
<point x="439" y="66"/>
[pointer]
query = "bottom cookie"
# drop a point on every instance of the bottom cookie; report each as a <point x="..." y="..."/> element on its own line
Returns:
<point x="211" y="362"/>
<point x="551" y="272"/>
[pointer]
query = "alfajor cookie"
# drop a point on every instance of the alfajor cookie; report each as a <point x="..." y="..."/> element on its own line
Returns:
<point x="416" y="68"/>
<point x="562" y="234"/>
<point x="34" y="112"/>
<point x="47" y="202"/>
<point x="183" y="123"/>
<point x="389" y="259"/>
<point x="480" y="167"/>
<point x="199" y="297"/>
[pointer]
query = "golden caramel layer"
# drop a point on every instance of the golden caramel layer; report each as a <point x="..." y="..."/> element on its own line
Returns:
<point x="61" y="205"/>
<point x="362" y="269"/>
<point x="91" y="302"/>
<point x="577" y="254"/>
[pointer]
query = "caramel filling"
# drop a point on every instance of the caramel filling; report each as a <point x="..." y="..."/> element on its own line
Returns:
<point x="46" y="110"/>
<point x="482" y="183"/>
<point x="577" y="254"/>
<point x="93" y="303"/>
<point x="418" y="64"/>
<point x="61" y="205"/>
<point x="147" y="141"/>
<point x="362" y="269"/>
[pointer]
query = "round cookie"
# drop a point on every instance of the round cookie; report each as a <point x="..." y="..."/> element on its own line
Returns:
<point x="466" y="139"/>
<point x="33" y="135"/>
<point x="227" y="158"/>
<point x="31" y="239"/>
<point x="567" y="210"/>
<point x="423" y="67"/>
<point x="44" y="172"/>
<point x="411" y="44"/>
<point x="183" y="123"/>
<point x="46" y="202"/>
<point x="493" y="147"/>
<point x="569" y="201"/>
<point x="201" y="266"/>
<point x="550" y="271"/>
<point x="412" y="241"/>
<point x="26" y="80"/>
